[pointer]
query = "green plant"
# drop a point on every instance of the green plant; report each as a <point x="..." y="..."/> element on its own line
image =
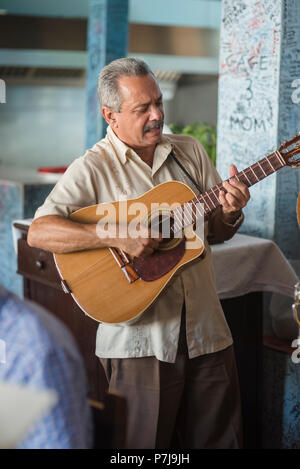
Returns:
<point x="205" y="133"/>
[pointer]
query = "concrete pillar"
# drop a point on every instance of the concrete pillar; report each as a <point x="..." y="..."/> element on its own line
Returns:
<point x="259" y="108"/>
<point x="107" y="40"/>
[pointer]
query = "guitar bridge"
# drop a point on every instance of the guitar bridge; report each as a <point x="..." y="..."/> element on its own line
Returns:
<point x="125" y="264"/>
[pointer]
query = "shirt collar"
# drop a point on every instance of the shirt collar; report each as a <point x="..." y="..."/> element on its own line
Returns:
<point x="162" y="151"/>
<point x="122" y="151"/>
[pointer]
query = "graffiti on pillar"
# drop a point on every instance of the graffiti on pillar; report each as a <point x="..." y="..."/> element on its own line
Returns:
<point x="107" y="40"/>
<point x="259" y="107"/>
<point x="248" y="107"/>
<point x="96" y="60"/>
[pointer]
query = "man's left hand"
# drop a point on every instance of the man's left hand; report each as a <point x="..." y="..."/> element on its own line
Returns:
<point x="235" y="198"/>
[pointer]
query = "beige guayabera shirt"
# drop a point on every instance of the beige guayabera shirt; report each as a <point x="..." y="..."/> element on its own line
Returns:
<point x="112" y="171"/>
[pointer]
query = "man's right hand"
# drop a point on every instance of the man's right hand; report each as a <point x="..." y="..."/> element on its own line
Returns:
<point x="139" y="243"/>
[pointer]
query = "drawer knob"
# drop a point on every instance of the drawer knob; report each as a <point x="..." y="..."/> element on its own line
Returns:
<point x="39" y="264"/>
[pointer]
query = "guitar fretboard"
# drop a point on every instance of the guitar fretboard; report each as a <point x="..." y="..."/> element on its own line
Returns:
<point x="207" y="202"/>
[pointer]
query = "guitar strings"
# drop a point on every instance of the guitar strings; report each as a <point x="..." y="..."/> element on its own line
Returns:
<point x="206" y="197"/>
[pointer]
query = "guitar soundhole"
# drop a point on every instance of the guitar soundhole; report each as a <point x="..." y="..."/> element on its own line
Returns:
<point x="164" y="224"/>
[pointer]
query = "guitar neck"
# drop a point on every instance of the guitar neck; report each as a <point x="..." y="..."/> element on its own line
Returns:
<point x="207" y="202"/>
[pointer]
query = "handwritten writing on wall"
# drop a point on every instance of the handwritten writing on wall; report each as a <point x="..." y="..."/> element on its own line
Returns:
<point x="250" y="109"/>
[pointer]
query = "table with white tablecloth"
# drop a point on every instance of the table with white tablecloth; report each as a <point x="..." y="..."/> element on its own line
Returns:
<point x="248" y="264"/>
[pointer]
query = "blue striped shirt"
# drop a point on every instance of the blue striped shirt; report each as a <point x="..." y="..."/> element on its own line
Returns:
<point x="41" y="353"/>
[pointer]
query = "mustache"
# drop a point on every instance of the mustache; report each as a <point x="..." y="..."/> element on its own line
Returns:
<point x="155" y="125"/>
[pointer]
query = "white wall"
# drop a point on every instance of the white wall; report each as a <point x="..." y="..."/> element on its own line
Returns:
<point x="194" y="102"/>
<point x="42" y="126"/>
<point x="45" y="125"/>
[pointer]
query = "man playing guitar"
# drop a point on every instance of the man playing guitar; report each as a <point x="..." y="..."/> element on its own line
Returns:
<point x="175" y="364"/>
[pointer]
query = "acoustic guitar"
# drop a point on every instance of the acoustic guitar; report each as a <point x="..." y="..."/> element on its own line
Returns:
<point x="110" y="286"/>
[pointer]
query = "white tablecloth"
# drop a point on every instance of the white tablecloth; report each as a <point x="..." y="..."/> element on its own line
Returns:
<point x="247" y="264"/>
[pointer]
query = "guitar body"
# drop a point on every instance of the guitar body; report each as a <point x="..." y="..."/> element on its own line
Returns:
<point x="98" y="283"/>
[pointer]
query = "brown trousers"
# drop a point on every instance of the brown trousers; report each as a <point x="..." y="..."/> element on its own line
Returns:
<point x="198" y="398"/>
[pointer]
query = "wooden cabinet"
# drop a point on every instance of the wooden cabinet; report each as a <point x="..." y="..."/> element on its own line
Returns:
<point x="38" y="265"/>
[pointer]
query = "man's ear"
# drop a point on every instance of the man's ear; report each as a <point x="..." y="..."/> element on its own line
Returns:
<point x="110" y="116"/>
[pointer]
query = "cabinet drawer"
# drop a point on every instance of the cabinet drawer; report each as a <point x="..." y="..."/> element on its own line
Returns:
<point x="37" y="264"/>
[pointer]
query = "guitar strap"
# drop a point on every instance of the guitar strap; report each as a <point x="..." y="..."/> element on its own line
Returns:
<point x="195" y="184"/>
<point x="186" y="172"/>
<point x="182" y="341"/>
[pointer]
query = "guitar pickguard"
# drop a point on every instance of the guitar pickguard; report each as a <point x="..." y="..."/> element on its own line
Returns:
<point x="159" y="263"/>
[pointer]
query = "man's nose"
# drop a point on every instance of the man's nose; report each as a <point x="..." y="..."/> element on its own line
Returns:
<point x="156" y="113"/>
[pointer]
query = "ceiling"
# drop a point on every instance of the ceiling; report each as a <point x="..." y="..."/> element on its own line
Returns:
<point x="193" y="13"/>
<point x="183" y="38"/>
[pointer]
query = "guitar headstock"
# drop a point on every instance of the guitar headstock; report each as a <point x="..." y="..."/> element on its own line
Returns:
<point x="289" y="149"/>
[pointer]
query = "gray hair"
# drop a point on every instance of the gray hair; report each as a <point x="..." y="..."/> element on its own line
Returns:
<point x="108" y="89"/>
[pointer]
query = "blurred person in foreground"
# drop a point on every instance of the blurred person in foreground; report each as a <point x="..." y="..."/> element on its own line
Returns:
<point x="41" y="354"/>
